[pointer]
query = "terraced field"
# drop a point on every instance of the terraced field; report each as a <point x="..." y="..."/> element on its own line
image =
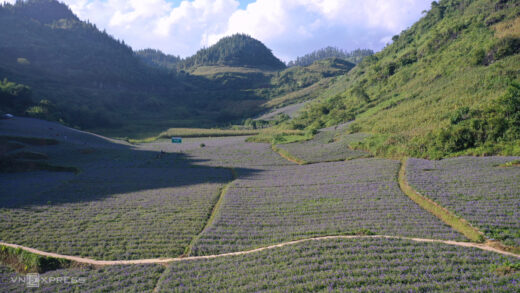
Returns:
<point x="329" y="145"/>
<point x="477" y="189"/>
<point x="355" y="265"/>
<point x="136" y="203"/>
<point x="124" y="204"/>
<point x="237" y="154"/>
<point x="288" y="203"/>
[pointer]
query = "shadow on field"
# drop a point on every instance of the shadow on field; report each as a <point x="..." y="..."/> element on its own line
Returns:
<point x="106" y="169"/>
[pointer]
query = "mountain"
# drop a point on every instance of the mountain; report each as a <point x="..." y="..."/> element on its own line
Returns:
<point x="158" y="59"/>
<point x="95" y="79"/>
<point x="449" y="85"/>
<point x="55" y="66"/>
<point x="355" y="56"/>
<point x="238" y="50"/>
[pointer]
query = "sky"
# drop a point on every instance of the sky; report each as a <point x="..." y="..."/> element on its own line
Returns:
<point x="290" y="28"/>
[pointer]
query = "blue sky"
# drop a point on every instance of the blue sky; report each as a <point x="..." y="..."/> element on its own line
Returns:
<point x="290" y="28"/>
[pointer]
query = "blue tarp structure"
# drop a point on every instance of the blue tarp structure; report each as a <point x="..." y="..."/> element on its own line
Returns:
<point x="176" y="139"/>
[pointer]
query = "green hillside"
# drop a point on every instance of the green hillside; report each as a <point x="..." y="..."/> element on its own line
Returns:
<point x="158" y="59"/>
<point x="355" y="56"/>
<point x="237" y="50"/>
<point x="445" y="86"/>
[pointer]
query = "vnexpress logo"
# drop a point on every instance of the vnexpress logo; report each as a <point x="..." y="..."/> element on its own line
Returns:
<point x="32" y="280"/>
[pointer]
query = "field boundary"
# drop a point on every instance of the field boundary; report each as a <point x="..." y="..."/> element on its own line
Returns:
<point x="457" y="223"/>
<point x="222" y="192"/>
<point x="286" y="155"/>
<point x="100" y="263"/>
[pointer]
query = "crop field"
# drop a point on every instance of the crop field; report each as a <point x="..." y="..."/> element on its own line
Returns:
<point x="360" y="265"/>
<point x="124" y="204"/>
<point x="478" y="189"/>
<point x="237" y="154"/>
<point x="288" y="203"/>
<point x="135" y="278"/>
<point x="326" y="146"/>
<point x="191" y="144"/>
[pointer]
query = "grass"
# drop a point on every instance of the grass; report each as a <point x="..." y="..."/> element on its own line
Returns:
<point x="440" y="212"/>
<point x="410" y="90"/>
<point x="277" y="136"/>
<point x="515" y="163"/>
<point x="196" y="132"/>
<point x="26" y="262"/>
<point x="286" y="155"/>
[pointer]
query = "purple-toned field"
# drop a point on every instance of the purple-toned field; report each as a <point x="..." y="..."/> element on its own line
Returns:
<point x="238" y="154"/>
<point x="354" y="265"/>
<point x="287" y="203"/>
<point x="326" y="146"/>
<point x="135" y="278"/>
<point x="477" y="189"/>
<point x="125" y="203"/>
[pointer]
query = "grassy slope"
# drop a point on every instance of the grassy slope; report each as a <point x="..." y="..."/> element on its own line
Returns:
<point x="413" y="86"/>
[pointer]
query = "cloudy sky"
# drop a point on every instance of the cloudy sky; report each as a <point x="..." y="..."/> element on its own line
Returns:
<point x="289" y="27"/>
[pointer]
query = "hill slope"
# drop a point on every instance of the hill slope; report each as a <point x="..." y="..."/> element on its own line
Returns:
<point x="237" y="50"/>
<point x="445" y="86"/>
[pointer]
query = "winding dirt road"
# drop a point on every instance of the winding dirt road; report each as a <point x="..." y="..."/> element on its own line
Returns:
<point x="177" y="259"/>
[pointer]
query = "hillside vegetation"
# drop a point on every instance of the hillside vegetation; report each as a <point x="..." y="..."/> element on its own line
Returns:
<point x="446" y="86"/>
<point x="236" y="50"/>
<point x="355" y="56"/>
<point x="64" y="69"/>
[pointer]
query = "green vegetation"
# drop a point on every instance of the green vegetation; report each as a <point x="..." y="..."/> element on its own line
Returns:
<point x="236" y="50"/>
<point x="158" y="59"/>
<point x="355" y="56"/>
<point x="411" y="95"/>
<point x="14" y="98"/>
<point x="199" y="132"/>
<point x="85" y="78"/>
<point x="26" y="262"/>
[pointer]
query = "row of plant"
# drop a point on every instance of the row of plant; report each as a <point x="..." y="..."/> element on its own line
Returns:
<point x="294" y="202"/>
<point x="126" y="204"/>
<point x="478" y="189"/>
<point x="354" y="265"/>
<point x="134" y="278"/>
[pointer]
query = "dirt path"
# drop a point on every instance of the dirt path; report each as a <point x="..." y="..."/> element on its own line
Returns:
<point x="176" y="259"/>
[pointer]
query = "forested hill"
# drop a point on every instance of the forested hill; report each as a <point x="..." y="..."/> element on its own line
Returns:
<point x="158" y="59"/>
<point x="355" y="56"/>
<point x="448" y="85"/>
<point x="88" y="74"/>
<point x="238" y="50"/>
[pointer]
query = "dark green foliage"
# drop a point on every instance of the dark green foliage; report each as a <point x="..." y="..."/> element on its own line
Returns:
<point x="236" y="50"/>
<point x="331" y="52"/>
<point x="157" y="58"/>
<point x="498" y="123"/>
<point x="14" y="98"/>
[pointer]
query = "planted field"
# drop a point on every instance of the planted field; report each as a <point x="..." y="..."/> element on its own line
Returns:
<point x="360" y="265"/>
<point x="237" y="154"/>
<point x="288" y="203"/>
<point x="477" y="189"/>
<point x="125" y="204"/>
<point x="326" y="146"/>
<point x="135" y="278"/>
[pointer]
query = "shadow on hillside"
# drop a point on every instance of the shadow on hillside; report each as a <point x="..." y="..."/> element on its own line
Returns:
<point x="106" y="172"/>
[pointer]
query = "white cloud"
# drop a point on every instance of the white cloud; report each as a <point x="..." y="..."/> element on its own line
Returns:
<point x="289" y="27"/>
